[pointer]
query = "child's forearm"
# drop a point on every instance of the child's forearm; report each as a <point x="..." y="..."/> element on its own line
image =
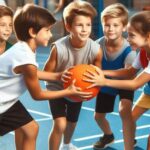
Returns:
<point x="121" y="84"/>
<point x="48" y="95"/>
<point x="121" y="73"/>
<point x="48" y="76"/>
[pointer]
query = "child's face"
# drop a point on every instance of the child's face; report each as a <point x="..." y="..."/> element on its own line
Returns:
<point x="135" y="39"/>
<point x="43" y="36"/>
<point x="5" y="27"/>
<point x="80" y="29"/>
<point x="113" y="28"/>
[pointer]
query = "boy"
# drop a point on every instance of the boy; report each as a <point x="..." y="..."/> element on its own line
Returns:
<point x="76" y="48"/>
<point x="116" y="54"/>
<point x="18" y="72"/>
<point x="6" y="21"/>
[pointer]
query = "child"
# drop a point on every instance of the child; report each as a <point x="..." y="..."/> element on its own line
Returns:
<point x="6" y="21"/>
<point x="139" y="37"/>
<point x="116" y="54"/>
<point x="18" y="72"/>
<point x="76" y="48"/>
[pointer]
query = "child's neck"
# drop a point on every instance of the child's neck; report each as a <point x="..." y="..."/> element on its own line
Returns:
<point x="32" y="44"/>
<point x="114" y="45"/>
<point x="2" y="46"/>
<point x="77" y="44"/>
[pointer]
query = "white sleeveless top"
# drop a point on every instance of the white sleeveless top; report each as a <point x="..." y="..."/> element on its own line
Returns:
<point x="68" y="56"/>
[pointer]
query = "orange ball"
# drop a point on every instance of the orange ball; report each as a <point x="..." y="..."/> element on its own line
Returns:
<point x="77" y="74"/>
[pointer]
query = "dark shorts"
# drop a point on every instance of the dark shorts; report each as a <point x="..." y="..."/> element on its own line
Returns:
<point x="105" y="102"/>
<point x="65" y="108"/>
<point x="13" y="118"/>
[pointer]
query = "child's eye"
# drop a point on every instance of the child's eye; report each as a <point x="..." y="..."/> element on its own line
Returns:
<point x="78" y="24"/>
<point x="89" y="24"/>
<point x="115" y="25"/>
<point x="2" y="25"/>
<point x="106" y="25"/>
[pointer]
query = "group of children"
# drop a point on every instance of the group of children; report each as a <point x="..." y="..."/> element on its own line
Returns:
<point x="112" y="53"/>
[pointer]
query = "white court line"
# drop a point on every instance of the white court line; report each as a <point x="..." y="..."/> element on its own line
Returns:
<point x="40" y="113"/>
<point x="43" y="119"/>
<point x="98" y="135"/>
<point x="88" y="137"/>
<point x="116" y="142"/>
<point x="12" y="133"/>
<point x="91" y="109"/>
<point x="140" y="127"/>
<point x="38" y="120"/>
<point x="113" y="113"/>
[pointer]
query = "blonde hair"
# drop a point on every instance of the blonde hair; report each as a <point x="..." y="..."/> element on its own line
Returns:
<point x="115" y="11"/>
<point x="77" y="8"/>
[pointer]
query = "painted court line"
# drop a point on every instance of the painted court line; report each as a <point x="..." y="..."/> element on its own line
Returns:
<point x="43" y="119"/>
<point x="38" y="120"/>
<point x="92" y="109"/>
<point x="113" y="113"/>
<point x="88" y="137"/>
<point x="140" y="127"/>
<point x="40" y="113"/>
<point x="116" y="142"/>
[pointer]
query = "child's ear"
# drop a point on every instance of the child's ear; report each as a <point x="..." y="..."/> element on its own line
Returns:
<point x="68" y="27"/>
<point x="32" y="33"/>
<point x="148" y="35"/>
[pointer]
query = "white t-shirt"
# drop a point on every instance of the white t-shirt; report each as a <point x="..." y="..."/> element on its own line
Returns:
<point x="147" y="85"/>
<point x="147" y="69"/>
<point x="11" y="84"/>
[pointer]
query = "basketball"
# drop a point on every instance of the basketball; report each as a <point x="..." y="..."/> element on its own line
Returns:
<point x="77" y="74"/>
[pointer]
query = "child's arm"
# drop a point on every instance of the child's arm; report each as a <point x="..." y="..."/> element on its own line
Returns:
<point x="98" y="59"/>
<point x="98" y="79"/>
<point x="121" y="73"/>
<point x="31" y="80"/>
<point x="51" y="61"/>
<point x="48" y="76"/>
<point x="133" y="84"/>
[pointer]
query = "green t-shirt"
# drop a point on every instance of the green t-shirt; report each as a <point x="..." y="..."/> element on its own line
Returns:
<point x="8" y="45"/>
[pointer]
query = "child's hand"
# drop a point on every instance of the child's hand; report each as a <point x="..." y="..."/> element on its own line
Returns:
<point x="66" y="75"/>
<point x="97" y="79"/>
<point x="76" y="91"/>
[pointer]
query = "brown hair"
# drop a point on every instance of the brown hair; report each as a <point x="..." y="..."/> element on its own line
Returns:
<point x="141" y="22"/>
<point x="78" y="8"/>
<point x="31" y="16"/>
<point x="115" y="11"/>
<point x="5" y="11"/>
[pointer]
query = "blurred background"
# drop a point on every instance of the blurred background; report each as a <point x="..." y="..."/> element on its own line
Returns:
<point x="52" y="5"/>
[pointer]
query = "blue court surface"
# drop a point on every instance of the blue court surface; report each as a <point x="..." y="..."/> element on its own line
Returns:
<point x="87" y="131"/>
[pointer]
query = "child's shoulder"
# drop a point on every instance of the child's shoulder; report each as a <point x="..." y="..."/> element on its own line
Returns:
<point x="62" y="40"/>
<point x="100" y="40"/>
<point x="95" y="43"/>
